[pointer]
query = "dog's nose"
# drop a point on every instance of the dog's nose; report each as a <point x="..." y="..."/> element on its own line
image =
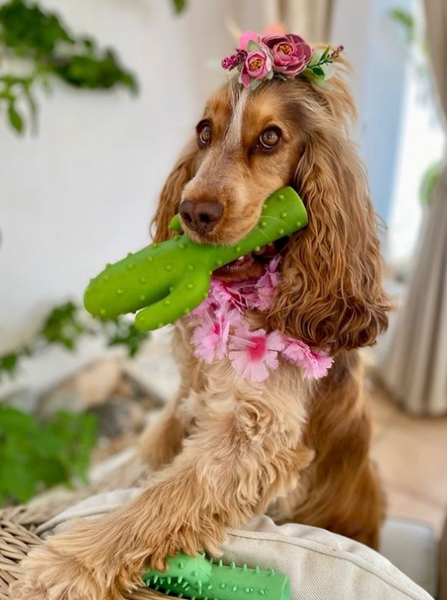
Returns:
<point x="200" y="216"/>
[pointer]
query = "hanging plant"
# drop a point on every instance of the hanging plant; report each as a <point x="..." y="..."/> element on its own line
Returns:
<point x="65" y="326"/>
<point x="48" y="49"/>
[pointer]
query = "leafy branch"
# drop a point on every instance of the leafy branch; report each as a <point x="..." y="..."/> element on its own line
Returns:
<point x="36" y="456"/>
<point x="179" y="5"/>
<point x="47" y="48"/>
<point x="65" y="326"/>
<point x="321" y="67"/>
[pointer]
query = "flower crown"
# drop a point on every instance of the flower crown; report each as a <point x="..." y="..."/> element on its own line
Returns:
<point x="287" y="56"/>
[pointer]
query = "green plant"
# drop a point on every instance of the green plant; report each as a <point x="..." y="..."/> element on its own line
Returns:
<point x="179" y="5"/>
<point x="36" y="456"/>
<point x="65" y="326"/>
<point x="49" y="49"/>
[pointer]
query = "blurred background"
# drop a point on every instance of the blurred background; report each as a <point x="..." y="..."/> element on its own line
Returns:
<point x="97" y="99"/>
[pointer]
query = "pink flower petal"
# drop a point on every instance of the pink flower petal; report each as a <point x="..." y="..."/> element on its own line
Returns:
<point x="211" y="337"/>
<point x="256" y="371"/>
<point x="320" y="366"/>
<point x="314" y="364"/>
<point x="250" y="370"/>
<point x="254" y="354"/>
<point x="245" y="78"/>
<point x="275" y="341"/>
<point x="203" y="309"/>
<point x="246" y="37"/>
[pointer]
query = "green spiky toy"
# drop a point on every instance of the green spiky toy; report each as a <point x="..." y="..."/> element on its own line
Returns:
<point x="169" y="280"/>
<point x="197" y="578"/>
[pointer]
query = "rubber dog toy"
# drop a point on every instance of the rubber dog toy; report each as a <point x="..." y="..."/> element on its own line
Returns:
<point x="196" y="577"/>
<point x="170" y="279"/>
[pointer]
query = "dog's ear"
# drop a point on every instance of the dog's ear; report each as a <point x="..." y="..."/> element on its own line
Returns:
<point x="331" y="292"/>
<point x="171" y="193"/>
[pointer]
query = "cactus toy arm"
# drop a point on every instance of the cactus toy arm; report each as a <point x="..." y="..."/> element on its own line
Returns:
<point x="196" y="577"/>
<point x="185" y="294"/>
<point x="170" y="279"/>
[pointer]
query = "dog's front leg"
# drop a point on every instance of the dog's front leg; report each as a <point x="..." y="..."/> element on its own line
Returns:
<point x="243" y="453"/>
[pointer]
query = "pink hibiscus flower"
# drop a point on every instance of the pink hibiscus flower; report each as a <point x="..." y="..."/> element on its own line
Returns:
<point x="266" y="285"/>
<point x="254" y="354"/>
<point x="205" y="308"/>
<point x="229" y="294"/>
<point x="314" y="364"/>
<point x="211" y="338"/>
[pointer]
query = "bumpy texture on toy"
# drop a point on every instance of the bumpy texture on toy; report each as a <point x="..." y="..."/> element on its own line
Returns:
<point x="173" y="278"/>
<point x="197" y="578"/>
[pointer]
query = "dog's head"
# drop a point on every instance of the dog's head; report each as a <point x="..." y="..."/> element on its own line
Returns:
<point x="247" y="145"/>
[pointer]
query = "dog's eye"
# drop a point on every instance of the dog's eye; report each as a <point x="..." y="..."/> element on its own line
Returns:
<point x="269" y="138"/>
<point x="205" y="134"/>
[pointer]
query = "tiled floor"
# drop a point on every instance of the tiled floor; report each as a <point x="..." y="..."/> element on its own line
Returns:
<point x="412" y="458"/>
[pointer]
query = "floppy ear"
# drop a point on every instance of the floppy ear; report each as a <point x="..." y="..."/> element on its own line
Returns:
<point x="171" y="193"/>
<point x="331" y="292"/>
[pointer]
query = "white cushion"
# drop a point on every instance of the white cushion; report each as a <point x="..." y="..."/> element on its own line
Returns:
<point x="412" y="547"/>
<point x="320" y="564"/>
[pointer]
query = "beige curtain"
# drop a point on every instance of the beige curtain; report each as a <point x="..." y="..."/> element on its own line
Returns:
<point x="415" y="368"/>
<point x="309" y="18"/>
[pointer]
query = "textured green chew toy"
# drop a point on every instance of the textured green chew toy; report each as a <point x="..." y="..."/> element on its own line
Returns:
<point x="169" y="280"/>
<point x="197" y="578"/>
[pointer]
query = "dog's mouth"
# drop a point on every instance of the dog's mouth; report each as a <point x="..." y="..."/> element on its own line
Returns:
<point x="248" y="266"/>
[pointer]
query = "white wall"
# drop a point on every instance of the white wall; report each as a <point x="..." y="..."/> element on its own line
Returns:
<point x="82" y="192"/>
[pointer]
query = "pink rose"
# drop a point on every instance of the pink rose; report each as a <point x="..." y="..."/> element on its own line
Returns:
<point x="257" y="66"/>
<point x="290" y="53"/>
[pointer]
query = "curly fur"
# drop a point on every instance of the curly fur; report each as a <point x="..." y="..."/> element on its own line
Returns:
<point x="228" y="449"/>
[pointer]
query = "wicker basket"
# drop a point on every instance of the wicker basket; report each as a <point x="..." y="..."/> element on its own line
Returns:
<point x="18" y="524"/>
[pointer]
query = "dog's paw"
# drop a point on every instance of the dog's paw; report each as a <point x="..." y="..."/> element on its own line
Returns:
<point x="49" y="575"/>
<point x="27" y="589"/>
<point x="184" y="538"/>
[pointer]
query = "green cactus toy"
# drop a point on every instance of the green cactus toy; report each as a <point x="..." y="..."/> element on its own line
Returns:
<point x="197" y="578"/>
<point x="169" y="280"/>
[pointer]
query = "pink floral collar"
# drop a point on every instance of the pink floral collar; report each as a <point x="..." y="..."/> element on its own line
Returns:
<point x="222" y="331"/>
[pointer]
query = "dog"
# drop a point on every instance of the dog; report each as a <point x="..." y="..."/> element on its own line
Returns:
<point x="225" y="448"/>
